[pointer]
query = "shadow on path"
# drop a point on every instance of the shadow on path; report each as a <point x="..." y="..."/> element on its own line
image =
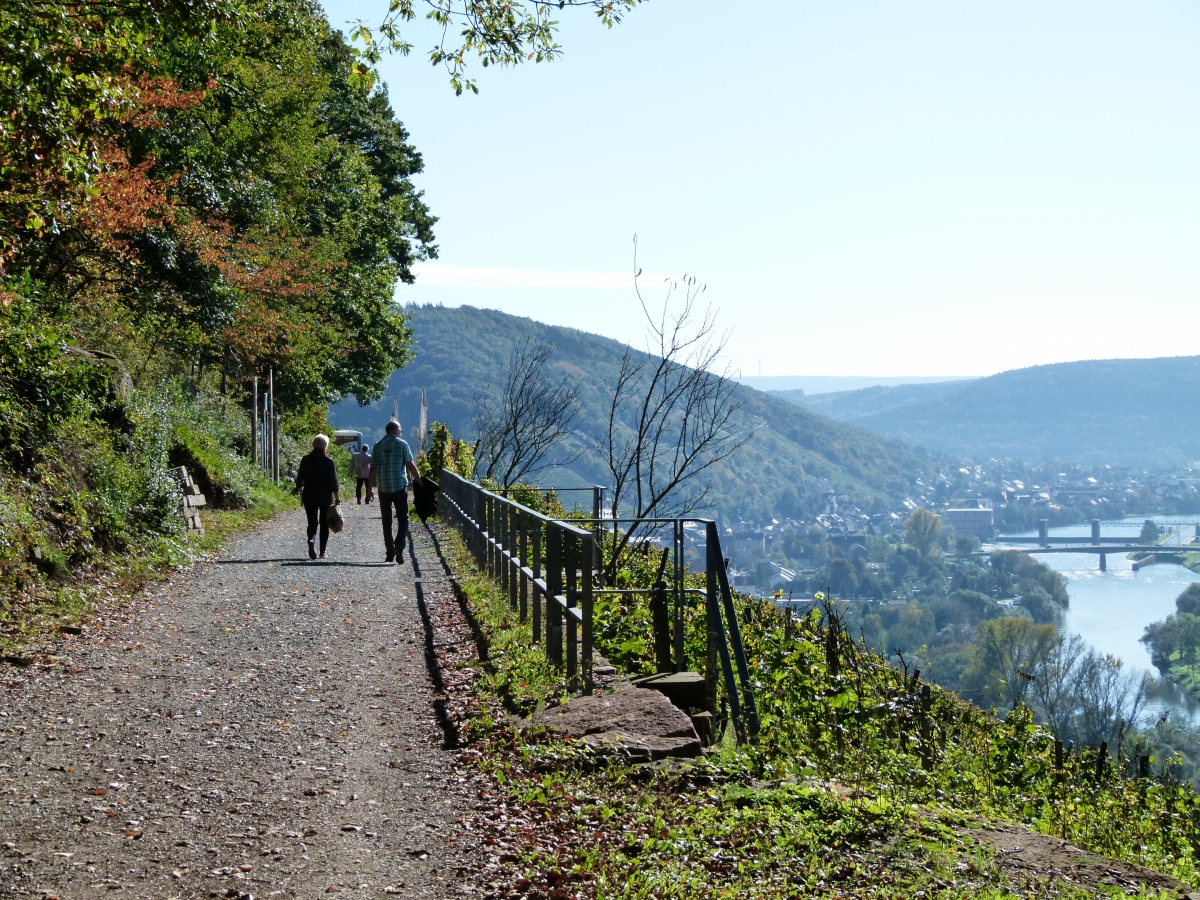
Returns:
<point x="293" y="561"/>
<point x="477" y="635"/>
<point x="450" y="738"/>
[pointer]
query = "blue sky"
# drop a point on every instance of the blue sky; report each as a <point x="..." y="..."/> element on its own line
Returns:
<point x="867" y="188"/>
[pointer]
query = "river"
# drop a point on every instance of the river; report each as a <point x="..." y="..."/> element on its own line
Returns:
<point x="1111" y="609"/>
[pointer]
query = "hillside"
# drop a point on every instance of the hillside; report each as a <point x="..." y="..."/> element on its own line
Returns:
<point x="836" y="384"/>
<point x="853" y="405"/>
<point x="1128" y="412"/>
<point x="777" y="473"/>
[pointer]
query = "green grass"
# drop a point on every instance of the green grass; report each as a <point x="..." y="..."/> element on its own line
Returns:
<point x="1184" y="675"/>
<point x="833" y="800"/>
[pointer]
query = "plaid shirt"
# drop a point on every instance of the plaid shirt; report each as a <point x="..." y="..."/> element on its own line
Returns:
<point x="391" y="453"/>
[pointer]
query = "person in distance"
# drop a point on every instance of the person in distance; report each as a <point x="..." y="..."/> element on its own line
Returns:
<point x="391" y="467"/>
<point x="317" y="482"/>
<point x="360" y="470"/>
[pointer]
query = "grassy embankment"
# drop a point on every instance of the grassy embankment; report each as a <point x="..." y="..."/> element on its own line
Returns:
<point x="1181" y="558"/>
<point x="863" y="782"/>
<point x="1185" y="675"/>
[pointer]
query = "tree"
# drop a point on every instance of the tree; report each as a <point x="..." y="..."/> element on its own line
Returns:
<point x="1086" y="696"/>
<point x="842" y="579"/>
<point x="1010" y="650"/>
<point x="445" y="454"/>
<point x="1149" y="533"/>
<point x="1040" y="605"/>
<point x="1163" y="641"/>
<point x="1106" y="699"/>
<point x="250" y="207"/>
<point x="74" y="78"/>
<point x="1189" y="600"/>
<point x="1053" y="690"/>
<point x="499" y="32"/>
<point x="670" y="416"/>
<point x="923" y="531"/>
<point x="533" y="414"/>
<point x="966" y="544"/>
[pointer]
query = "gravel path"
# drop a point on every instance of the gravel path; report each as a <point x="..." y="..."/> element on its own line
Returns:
<point x="259" y="725"/>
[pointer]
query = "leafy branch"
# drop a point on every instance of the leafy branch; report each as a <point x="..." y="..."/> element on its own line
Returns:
<point x="499" y="32"/>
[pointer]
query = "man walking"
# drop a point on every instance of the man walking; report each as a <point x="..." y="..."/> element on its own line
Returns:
<point x="391" y="465"/>
<point x="360" y="470"/>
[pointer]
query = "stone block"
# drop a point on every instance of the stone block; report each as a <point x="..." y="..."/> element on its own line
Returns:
<point x="685" y="689"/>
<point x="636" y="724"/>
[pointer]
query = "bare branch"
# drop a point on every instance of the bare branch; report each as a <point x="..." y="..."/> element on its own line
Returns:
<point x="671" y="416"/>
<point x="532" y="415"/>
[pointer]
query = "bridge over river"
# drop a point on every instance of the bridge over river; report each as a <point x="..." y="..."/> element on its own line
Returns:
<point x="1098" y="543"/>
<point x="1043" y="538"/>
<point x="1104" y="550"/>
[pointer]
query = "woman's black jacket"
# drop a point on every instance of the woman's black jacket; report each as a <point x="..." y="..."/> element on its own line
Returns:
<point x="318" y="478"/>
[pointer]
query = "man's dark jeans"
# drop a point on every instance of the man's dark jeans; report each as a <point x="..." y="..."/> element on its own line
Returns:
<point x="400" y="499"/>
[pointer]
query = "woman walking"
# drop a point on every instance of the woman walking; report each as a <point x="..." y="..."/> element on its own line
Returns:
<point x="317" y="483"/>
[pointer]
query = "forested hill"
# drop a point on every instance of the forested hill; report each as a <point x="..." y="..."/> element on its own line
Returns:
<point x="1132" y="412"/>
<point x="778" y="472"/>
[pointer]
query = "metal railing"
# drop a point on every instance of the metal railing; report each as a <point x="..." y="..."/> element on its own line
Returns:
<point x="547" y="569"/>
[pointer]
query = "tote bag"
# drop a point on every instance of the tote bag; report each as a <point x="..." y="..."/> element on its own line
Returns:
<point x="333" y="516"/>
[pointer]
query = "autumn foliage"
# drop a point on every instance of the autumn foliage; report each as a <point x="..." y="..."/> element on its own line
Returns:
<point x="191" y="195"/>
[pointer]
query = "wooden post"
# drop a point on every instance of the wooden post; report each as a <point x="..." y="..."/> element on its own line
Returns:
<point x="713" y="620"/>
<point x="489" y="512"/>
<point x="572" y="551"/>
<point x="926" y="728"/>
<point x="660" y="623"/>
<point x="538" y="531"/>
<point x="523" y="564"/>
<point x="502" y="546"/>
<point x="553" y="591"/>
<point x="514" y="558"/>
<point x="588" y="600"/>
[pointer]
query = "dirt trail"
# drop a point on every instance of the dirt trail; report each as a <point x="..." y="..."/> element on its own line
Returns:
<point x="259" y="725"/>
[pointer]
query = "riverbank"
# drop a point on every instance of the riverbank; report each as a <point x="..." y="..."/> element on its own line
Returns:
<point x="1185" y="677"/>
<point x="1111" y="609"/>
<point x="1142" y="559"/>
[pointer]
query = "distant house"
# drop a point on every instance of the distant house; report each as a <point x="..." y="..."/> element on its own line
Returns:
<point x="979" y="522"/>
<point x="856" y="552"/>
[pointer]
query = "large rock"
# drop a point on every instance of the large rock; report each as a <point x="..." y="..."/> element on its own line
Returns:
<point x="636" y="723"/>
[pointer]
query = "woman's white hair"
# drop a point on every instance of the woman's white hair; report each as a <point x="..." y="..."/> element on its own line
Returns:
<point x="320" y="442"/>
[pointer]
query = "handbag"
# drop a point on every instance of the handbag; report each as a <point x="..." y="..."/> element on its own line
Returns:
<point x="333" y="517"/>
